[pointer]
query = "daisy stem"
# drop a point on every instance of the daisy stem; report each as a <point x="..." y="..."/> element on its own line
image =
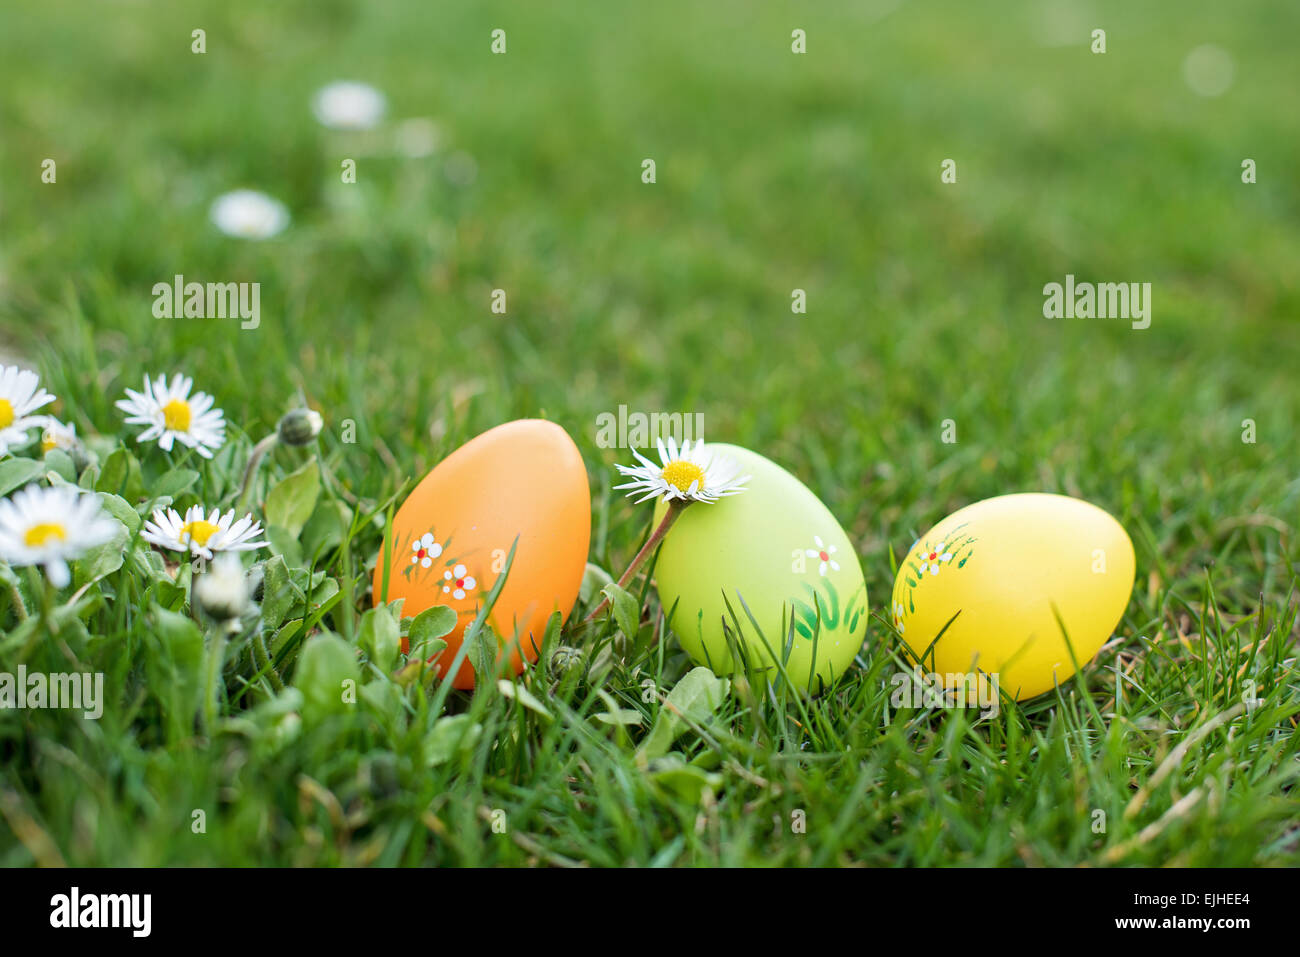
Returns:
<point x="216" y="659"/>
<point x="264" y="660"/>
<point x="47" y="603"/>
<point x="675" y="508"/>
<point x="250" y="470"/>
<point x="16" y="597"/>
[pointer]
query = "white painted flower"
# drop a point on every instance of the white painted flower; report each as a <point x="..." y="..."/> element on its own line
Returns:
<point x="50" y="527"/>
<point x="345" y="105"/>
<point x="457" y="582"/>
<point x="933" y="560"/>
<point x="899" y="610"/>
<point x="823" y="552"/>
<point x="692" y="474"/>
<point x="171" y="415"/>
<point x="57" y="435"/>
<point x="424" y="550"/>
<point x="248" y="214"/>
<point x="200" y="534"/>
<point x="20" y="396"/>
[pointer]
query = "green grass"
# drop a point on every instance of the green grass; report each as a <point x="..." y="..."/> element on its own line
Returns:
<point x="775" y="172"/>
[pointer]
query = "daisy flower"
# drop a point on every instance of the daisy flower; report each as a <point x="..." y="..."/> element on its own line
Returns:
<point x="824" y="553"/>
<point x="1208" y="70"/>
<point x="202" y="535"/>
<point x="171" y="415"/>
<point x="222" y="591"/>
<point x="457" y="582"/>
<point x="50" y="526"/>
<point x="20" y="396"/>
<point x="424" y="550"/>
<point x="248" y="214"/>
<point x="345" y="105"/>
<point x="692" y="474"/>
<point x="931" y="560"/>
<point x="58" y="436"/>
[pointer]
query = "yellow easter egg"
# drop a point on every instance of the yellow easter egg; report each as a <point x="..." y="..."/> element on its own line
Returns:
<point x="982" y="591"/>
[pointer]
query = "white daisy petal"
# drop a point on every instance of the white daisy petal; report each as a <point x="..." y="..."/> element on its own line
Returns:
<point x="692" y="473"/>
<point x="58" y="572"/>
<point x="200" y="533"/>
<point x="20" y="397"/>
<point x="50" y="527"/>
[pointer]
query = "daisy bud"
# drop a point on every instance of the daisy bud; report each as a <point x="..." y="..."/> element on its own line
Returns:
<point x="564" y="659"/>
<point x="300" y="427"/>
<point x="82" y="458"/>
<point x="256" y="580"/>
<point x="222" y="591"/>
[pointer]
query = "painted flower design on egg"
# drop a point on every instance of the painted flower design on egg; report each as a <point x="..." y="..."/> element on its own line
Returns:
<point x="821" y="610"/>
<point x="424" y="550"/>
<point x="457" y="582"/>
<point x="823" y="553"/>
<point x="927" y="559"/>
<point x="934" y="559"/>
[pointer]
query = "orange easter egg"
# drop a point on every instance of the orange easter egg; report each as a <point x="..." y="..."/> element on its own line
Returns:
<point x="450" y="539"/>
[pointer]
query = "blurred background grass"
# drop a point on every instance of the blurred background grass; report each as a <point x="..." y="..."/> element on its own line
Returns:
<point x="775" y="172"/>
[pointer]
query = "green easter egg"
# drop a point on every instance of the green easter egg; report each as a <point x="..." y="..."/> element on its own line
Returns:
<point x="778" y="551"/>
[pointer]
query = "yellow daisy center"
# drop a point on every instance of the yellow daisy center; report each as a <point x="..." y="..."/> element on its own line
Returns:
<point x="176" y="415"/>
<point x="198" y="531"/>
<point x="41" y="534"/>
<point x="48" y="442"/>
<point x="6" y="413"/>
<point x="681" y="474"/>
